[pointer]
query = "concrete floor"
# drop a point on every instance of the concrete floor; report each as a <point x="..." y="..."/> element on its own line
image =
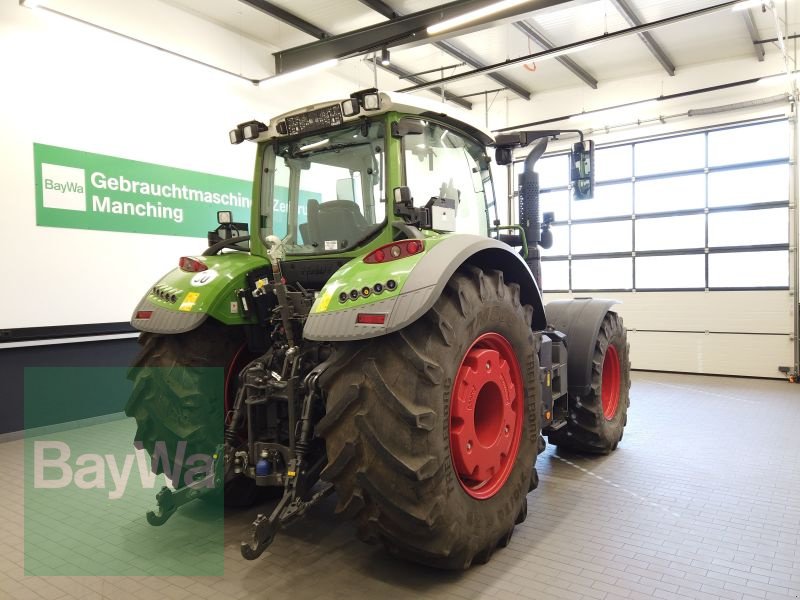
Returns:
<point x="701" y="500"/>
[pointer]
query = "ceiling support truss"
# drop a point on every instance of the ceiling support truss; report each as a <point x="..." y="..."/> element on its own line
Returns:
<point x="321" y="34"/>
<point x="570" y="64"/>
<point x="655" y="49"/>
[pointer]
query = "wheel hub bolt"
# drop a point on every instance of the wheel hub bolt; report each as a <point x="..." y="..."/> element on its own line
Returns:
<point x="488" y="366"/>
<point x="505" y="429"/>
<point x="469" y="446"/>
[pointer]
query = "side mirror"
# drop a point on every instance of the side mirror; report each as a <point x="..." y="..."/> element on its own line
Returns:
<point x="402" y="196"/>
<point x="582" y="170"/>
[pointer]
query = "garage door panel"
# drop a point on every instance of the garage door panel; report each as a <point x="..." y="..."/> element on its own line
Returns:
<point x="727" y="354"/>
<point x="768" y="311"/>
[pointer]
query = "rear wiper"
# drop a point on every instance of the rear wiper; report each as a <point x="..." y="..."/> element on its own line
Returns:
<point x="331" y="148"/>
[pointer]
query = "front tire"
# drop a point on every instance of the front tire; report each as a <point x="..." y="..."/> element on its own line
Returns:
<point x="596" y="421"/>
<point x="432" y="431"/>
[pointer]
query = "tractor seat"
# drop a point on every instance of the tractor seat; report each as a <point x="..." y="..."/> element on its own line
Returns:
<point x="336" y="220"/>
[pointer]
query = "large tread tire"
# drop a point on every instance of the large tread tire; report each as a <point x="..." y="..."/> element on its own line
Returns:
<point x="588" y="429"/>
<point x="173" y="403"/>
<point x="387" y="428"/>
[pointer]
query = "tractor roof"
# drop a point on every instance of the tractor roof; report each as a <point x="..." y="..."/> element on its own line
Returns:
<point x="389" y="101"/>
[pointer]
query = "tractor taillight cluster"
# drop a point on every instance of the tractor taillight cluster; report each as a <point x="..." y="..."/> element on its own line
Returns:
<point x="395" y="250"/>
<point x="191" y="265"/>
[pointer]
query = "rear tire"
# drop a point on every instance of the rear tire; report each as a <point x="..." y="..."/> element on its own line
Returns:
<point x="185" y="404"/>
<point x="597" y="421"/>
<point x="392" y="435"/>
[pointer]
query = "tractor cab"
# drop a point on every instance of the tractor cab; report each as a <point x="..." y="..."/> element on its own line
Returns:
<point x="324" y="188"/>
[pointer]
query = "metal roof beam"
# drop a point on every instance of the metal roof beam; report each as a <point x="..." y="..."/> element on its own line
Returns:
<point x="387" y="11"/>
<point x="456" y="52"/>
<point x="381" y="7"/>
<point x="284" y="15"/>
<point x="570" y="64"/>
<point x="627" y="12"/>
<point x="579" y="45"/>
<point x="318" y="33"/>
<point x="407" y="30"/>
<point x="753" y="31"/>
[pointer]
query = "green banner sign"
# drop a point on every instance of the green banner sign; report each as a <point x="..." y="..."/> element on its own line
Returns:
<point x="82" y="190"/>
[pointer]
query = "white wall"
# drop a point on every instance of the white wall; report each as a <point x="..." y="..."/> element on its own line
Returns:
<point x="67" y="84"/>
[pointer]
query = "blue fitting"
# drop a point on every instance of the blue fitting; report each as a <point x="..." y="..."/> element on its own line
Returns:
<point x="263" y="467"/>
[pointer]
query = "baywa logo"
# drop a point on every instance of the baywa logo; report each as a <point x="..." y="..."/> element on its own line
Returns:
<point x="63" y="187"/>
<point x="52" y="468"/>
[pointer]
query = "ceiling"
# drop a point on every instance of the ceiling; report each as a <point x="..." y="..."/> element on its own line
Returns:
<point x="718" y="36"/>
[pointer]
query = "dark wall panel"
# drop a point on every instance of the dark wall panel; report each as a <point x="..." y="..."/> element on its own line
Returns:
<point x="13" y="361"/>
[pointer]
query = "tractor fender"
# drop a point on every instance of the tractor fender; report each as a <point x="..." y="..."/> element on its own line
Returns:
<point x="425" y="284"/>
<point x="579" y="319"/>
<point x="181" y="301"/>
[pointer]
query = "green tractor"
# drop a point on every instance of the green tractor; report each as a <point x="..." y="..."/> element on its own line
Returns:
<point x="382" y="336"/>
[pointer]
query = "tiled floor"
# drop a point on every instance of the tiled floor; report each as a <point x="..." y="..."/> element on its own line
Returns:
<point x="701" y="500"/>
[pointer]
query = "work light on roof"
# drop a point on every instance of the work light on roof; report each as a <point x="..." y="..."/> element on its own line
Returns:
<point x="248" y="130"/>
<point x="371" y="101"/>
<point x="350" y="107"/>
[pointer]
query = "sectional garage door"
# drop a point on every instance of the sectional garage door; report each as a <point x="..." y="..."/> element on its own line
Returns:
<point x="691" y="233"/>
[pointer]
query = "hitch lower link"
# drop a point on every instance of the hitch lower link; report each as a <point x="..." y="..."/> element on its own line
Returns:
<point x="289" y="509"/>
<point x="168" y="501"/>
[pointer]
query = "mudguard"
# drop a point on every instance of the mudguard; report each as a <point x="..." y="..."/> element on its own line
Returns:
<point x="418" y="288"/>
<point x="580" y="320"/>
<point x="181" y="301"/>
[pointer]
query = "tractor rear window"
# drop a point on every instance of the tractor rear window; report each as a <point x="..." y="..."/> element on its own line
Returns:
<point x="442" y="163"/>
<point x="325" y="192"/>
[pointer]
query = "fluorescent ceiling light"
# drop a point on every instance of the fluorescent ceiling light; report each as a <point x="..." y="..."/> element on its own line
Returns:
<point x="474" y="15"/>
<point x="748" y="4"/>
<point x="299" y="73"/>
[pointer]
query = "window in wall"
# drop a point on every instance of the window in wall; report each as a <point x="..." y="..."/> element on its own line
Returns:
<point x="556" y="203"/>
<point x="598" y="238"/>
<point x="555" y="274"/>
<point x="602" y="274"/>
<point x="613" y="163"/>
<point x="748" y="227"/>
<point x="749" y="269"/>
<point x="753" y="185"/>
<point x="553" y="171"/>
<point x="667" y="194"/>
<point x="671" y="233"/>
<point x="609" y="201"/>
<point x="560" y="245"/>
<point x="748" y="144"/>
<point x="671" y="272"/>
<point x="681" y="153"/>
<point x="715" y="204"/>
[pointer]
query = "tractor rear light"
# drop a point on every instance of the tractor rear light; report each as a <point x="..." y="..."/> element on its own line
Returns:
<point x="370" y="319"/>
<point x="144" y="314"/>
<point x="394" y="251"/>
<point x="191" y="265"/>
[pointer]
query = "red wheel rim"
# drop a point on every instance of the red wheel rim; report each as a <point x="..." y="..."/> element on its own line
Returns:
<point x="486" y="412"/>
<point x="237" y="364"/>
<point x="610" y="383"/>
